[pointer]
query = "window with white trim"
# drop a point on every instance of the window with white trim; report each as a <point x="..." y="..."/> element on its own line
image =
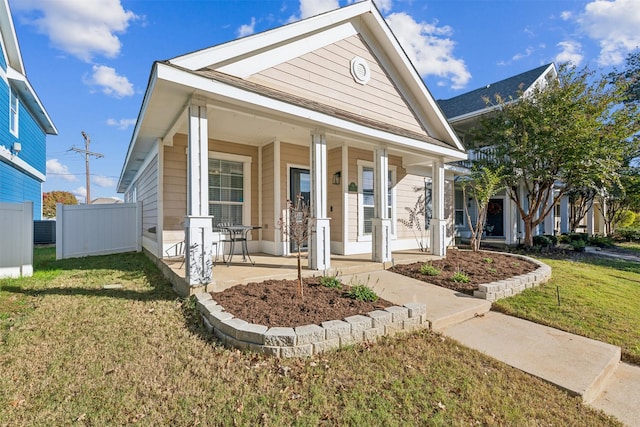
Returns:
<point x="229" y="188"/>
<point x="366" y="209"/>
<point x="14" y="110"/>
<point x="459" y="207"/>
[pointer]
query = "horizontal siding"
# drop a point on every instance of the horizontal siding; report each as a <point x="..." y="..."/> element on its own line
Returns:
<point x="147" y="193"/>
<point x="268" y="185"/>
<point x="17" y="187"/>
<point x="324" y="76"/>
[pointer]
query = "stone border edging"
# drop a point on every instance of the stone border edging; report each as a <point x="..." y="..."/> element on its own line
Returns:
<point x="505" y="288"/>
<point x="304" y="341"/>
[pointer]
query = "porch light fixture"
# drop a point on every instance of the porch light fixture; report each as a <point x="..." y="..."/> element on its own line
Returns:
<point x="336" y="178"/>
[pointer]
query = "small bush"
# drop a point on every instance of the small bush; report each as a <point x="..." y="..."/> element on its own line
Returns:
<point x="493" y="270"/>
<point x="552" y="238"/>
<point x="578" y="245"/>
<point x="578" y="236"/>
<point x="541" y="241"/>
<point x="362" y="293"/>
<point x="460" y="277"/>
<point x="487" y="260"/>
<point x="628" y="233"/>
<point x="564" y="238"/>
<point x="601" y="242"/>
<point x="331" y="282"/>
<point x="429" y="270"/>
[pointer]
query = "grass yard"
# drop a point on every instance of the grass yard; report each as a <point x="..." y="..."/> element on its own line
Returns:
<point x="630" y="246"/>
<point x="73" y="352"/>
<point x="599" y="299"/>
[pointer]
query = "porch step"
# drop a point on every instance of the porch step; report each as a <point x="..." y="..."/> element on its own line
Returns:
<point x="580" y="365"/>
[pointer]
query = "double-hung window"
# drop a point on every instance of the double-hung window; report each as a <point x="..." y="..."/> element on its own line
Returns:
<point x="229" y="190"/>
<point x="14" y="110"/>
<point x="367" y="197"/>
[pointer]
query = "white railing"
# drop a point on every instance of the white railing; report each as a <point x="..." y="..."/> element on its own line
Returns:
<point x="84" y="230"/>
<point x="16" y="239"/>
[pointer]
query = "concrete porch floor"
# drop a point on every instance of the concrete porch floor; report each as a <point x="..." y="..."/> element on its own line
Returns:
<point x="279" y="267"/>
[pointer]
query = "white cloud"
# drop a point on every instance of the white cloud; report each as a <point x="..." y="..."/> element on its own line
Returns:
<point x="429" y="48"/>
<point x="314" y="7"/>
<point x="527" y="52"/>
<point x="384" y="5"/>
<point x="111" y="83"/>
<point x="79" y="27"/>
<point x="614" y="24"/>
<point x="58" y="170"/>
<point x="247" y="29"/>
<point x="103" y="181"/>
<point x="570" y="51"/>
<point x="122" y="124"/>
<point x="80" y="193"/>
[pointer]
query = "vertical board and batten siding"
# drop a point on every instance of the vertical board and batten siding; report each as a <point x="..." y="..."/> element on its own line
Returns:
<point x="268" y="188"/>
<point x="147" y="193"/>
<point x="334" y="193"/>
<point x="84" y="230"/>
<point x="16" y="245"/>
<point x="324" y="76"/>
<point x="175" y="179"/>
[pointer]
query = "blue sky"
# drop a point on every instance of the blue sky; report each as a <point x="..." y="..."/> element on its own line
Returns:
<point x="89" y="60"/>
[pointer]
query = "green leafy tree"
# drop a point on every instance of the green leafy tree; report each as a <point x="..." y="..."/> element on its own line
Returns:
<point x="482" y="184"/>
<point x="50" y="199"/>
<point x="575" y="130"/>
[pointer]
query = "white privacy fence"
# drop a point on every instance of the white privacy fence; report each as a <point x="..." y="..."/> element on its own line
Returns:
<point x="16" y="239"/>
<point x="84" y="230"/>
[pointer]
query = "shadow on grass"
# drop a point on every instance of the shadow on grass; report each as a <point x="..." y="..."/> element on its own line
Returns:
<point x="132" y="269"/>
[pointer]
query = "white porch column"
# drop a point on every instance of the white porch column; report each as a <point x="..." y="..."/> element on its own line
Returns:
<point x="549" y="221"/>
<point x="564" y="215"/>
<point x="319" y="236"/>
<point x="591" y="221"/>
<point x="198" y="222"/>
<point x="438" y="222"/>
<point x="381" y="224"/>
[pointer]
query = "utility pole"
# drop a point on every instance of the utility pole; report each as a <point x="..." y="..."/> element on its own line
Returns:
<point x="87" y="153"/>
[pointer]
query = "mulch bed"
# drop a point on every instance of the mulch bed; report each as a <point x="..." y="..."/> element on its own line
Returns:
<point x="480" y="267"/>
<point x="276" y="303"/>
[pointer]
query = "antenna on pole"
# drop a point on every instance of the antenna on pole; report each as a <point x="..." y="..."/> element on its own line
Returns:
<point x="87" y="153"/>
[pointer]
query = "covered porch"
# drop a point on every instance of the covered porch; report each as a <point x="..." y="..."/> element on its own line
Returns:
<point x="281" y="267"/>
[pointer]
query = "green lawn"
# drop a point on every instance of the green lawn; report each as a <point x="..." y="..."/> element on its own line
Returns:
<point x="73" y="352"/>
<point x="599" y="299"/>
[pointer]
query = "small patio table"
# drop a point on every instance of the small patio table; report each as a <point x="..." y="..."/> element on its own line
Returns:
<point x="238" y="233"/>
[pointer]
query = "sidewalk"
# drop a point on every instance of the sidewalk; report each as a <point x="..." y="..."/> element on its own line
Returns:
<point x="581" y="366"/>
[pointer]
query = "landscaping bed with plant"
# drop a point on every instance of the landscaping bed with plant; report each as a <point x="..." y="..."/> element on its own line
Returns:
<point x="463" y="270"/>
<point x="277" y="303"/>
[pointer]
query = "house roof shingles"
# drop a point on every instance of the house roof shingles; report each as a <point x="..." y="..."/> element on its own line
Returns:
<point x="475" y="100"/>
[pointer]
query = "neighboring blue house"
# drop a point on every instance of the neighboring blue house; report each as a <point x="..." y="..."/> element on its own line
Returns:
<point x="24" y="124"/>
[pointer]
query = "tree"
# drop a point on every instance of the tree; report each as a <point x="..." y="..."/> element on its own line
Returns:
<point x="618" y="198"/>
<point x="483" y="183"/>
<point x="50" y="199"/>
<point x="581" y="200"/>
<point x="573" y="130"/>
<point x="296" y="227"/>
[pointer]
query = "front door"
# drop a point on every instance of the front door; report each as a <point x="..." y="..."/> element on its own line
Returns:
<point x="495" y="218"/>
<point x="299" y="184"/>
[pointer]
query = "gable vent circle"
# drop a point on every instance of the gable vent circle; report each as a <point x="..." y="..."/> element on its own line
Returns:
<point x="360" y="70"/>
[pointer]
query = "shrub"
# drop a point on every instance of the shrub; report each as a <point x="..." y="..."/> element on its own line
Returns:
<point x="578" y="245"/>
<point x="629" y="233"/>
<point x="460" y="277"/>
<point x="578" y="236"/>
<point x="553" y="239"/>
<point x="331" y="282"/>
<point x="362" y="293"/>
<point x="601" y="241"/>
<point x="542" y="241"/>
<point x="487" y="260"/>
<point x="564" y="238"/>
<point x="429" y="270"/>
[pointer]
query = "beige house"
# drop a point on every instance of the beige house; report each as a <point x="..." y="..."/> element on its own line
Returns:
<point x="329" y="107"/>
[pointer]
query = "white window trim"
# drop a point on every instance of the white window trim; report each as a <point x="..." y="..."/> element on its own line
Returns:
<point x="393" y="169"/>
<point x="462" y="208"/>
<point x="12" y="94"/>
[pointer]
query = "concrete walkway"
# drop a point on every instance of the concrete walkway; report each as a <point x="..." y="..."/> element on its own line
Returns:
<point x="581" y="366"/>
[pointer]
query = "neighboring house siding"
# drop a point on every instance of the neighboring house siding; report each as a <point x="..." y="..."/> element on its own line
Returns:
<point x="147" y="193"/>
<point x="268" y="185"/>
<point x="16" y="187"/>
<point x="324" y="76"/>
